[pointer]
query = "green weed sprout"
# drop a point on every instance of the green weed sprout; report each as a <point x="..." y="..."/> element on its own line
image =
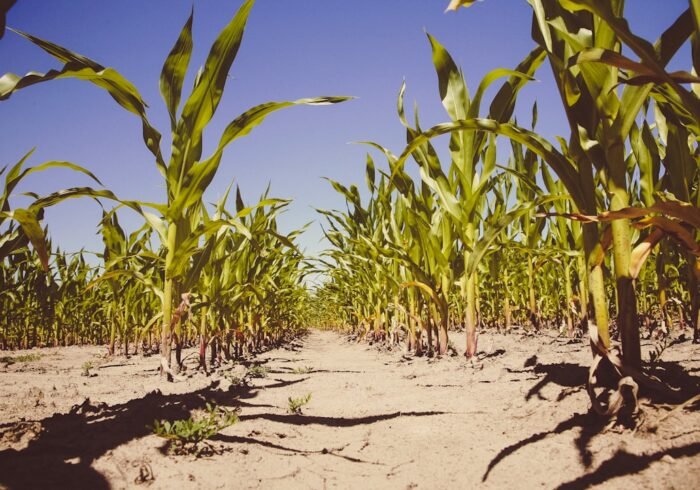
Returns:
<point x="296" y="404"/>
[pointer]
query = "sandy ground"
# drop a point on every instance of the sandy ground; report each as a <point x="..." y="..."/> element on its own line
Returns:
<point x="375" y="420"/>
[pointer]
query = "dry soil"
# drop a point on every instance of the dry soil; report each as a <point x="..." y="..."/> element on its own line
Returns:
<point x="517" y="419"/>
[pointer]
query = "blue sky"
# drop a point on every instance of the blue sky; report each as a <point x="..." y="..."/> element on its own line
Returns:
<point x="291" y="49"/>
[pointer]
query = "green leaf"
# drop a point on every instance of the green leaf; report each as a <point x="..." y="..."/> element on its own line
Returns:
<point x="72" y="193"/>
<point x="648" y="54"/>
<point x="173" y="73"/>
<point x="113" y="274"/>
<point x="430" y="291"/>
<point x="455" y="98"/>
<point x="157" y="224"/>
<point x="564" y="168"/>
<point x="204" y="99"/>
<point x="491" y="233"/>
<point x="453" y="90"/>
<point x="246" y="122"/>
<point x="370" y="174"/>
<point x="83" y="68"/>
<point x="27" y="219"/>
<point x="200" y="175"/>
<point x="455" y="4"/>
<point x="647" y="156"/>
<point x="486" y="82"/>
<point x="190" y="245"/>
<point x="541" y="19"/>
<point x="11" y="180"/>
<point x="503" y="103"/>
<point x="53" y="164"/>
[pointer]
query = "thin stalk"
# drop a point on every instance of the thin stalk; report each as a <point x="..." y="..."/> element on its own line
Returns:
<point x="469" y="297"/>
<point x="569" y="301"/>
<point x="203" y="339"/>
<point x="165" y="350"/>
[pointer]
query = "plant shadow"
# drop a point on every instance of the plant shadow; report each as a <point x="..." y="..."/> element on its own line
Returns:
<point x="589" y="423"/>
<point x="572" y="378"/>
<point x="564" y="374"/>
<point x="295" y="419"/>
<point x="624" y="463"/>
<point x="678" y="378"/>
<point x="67" y="444"/>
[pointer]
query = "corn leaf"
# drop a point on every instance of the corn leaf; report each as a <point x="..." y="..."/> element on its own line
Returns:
<point x="173" y="72"/>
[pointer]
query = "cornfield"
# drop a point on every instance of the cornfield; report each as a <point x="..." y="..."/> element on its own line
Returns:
<point x="479" y="224"/>
<point x="149" y="277"/>
<point x="601" y="231"/>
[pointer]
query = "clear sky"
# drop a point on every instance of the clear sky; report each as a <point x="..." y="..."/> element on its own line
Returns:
<point x="291" y="49"/>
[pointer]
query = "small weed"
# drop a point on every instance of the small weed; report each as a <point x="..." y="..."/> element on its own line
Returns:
<point x="295" y="404"/>
<point x="86" y="367"/>
<point x="303" y="370"/>
<point x="235" y="380"/>
<point x="258" y="371"/>
<point x="188" y="433"/>
<point x="22" y="358"/>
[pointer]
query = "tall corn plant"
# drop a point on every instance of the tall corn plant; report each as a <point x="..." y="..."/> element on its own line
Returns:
<point x="583" y="42"/>
<point x="187" y="174"/>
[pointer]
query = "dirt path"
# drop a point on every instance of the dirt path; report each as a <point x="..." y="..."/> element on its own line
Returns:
<point x="375" y="420"/>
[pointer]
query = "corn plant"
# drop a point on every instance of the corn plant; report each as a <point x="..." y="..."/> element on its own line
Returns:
<point x="247" y="276"/>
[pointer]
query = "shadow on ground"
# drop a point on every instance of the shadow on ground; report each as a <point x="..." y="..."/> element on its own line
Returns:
<point x="335" y="421"/>
<point x="62" y="454"/>
<point x="624" y="463"/>
<point x="563" y="374"/>
<point x="574" y="377"/>
<point x="590" y="425"/>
